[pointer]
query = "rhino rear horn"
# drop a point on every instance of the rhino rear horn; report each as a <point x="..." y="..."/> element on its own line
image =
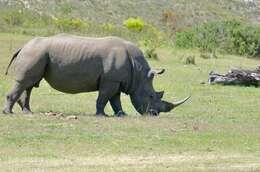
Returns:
<point x="154" y="72"/>
<point x="160" y="94"/>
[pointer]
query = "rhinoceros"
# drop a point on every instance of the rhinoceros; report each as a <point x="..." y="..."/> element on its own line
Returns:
<point x="75" y="64"/>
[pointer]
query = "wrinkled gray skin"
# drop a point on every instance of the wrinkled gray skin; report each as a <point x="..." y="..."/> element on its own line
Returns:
<point x="73" y="64"/>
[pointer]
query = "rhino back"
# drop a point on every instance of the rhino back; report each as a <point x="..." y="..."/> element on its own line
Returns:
<point x="79" y="64"/>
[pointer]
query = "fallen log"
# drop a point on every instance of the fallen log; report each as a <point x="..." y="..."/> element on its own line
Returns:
<point x="236" y="77"/>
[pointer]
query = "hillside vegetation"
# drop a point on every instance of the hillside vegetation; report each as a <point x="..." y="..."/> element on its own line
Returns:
<point x="177" y="13"/>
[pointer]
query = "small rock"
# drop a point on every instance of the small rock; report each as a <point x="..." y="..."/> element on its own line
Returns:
<point x="71" y="117"/>
<point x="54" y="114"/>
<point x="189" y="60"/>
<point x="50" y="114"/>
<point x="195" y="128"/>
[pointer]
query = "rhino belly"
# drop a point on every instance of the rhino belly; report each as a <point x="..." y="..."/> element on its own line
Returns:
<point x="72" y="79"/>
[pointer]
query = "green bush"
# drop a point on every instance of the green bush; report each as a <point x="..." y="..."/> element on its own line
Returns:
<point x="246" y="40"/>
<point x="13" y="18"/>
<point x="69" y="24"/>
<point x="186" y="39"/>
<point x="207" y="36"/>
<point x="109" y="27"/>
<point x="25" y="18"/>
<point x="228" y="36"/>
<point x="152" y="39"/>
<point x="136" y="24"/>
<point x="150" y="53"/>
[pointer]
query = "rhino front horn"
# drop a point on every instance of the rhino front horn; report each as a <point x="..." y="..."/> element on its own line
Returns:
<point x="175" y="104"/>
<point x="167" y="106"/>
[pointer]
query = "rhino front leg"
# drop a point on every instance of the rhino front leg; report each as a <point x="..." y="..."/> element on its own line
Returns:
<point x="106" y="91"/>
<point x="100" y="105"/>
<point x="116" y="105"/>
<point x="24" y="101"/>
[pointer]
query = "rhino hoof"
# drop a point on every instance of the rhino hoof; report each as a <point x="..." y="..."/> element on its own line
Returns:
<point x="101" y="115"/>
<point x="27" y="112"/>
<point x="120" y="114"/>
<point x="5" y="111"/>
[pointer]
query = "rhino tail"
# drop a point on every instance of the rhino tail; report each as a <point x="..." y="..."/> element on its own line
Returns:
<point x="14" y="56"/>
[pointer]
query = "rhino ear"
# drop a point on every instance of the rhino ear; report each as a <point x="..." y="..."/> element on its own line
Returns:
<point x="160" y="94"/>
<point x="153" y="72"/>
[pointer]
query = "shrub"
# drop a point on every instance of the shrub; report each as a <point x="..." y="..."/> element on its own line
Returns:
<point x="69" y="24"/>
<point x="136" y="24"/>
<point x="13" y="18"/>
<point x="25" y="18"/>
<point x="185" y="39"/>
<point x="229" y="36"/>
<point x="109" y="27"/>
<point x="207" y="36"/>
<point x="246" y="40"/>
<point x="150" y="53"/>
<point x="152" y="39"/>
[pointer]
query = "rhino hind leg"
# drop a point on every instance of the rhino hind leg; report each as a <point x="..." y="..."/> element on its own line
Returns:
<point x="12" y="97"/>
<point x="24" y="87"/>
<point x="24" y="101"/>
<point x="116" y="105"/>
<point x="20" y="93"/>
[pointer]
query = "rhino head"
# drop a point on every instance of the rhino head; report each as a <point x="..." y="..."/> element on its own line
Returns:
<point x="147" y="101"/>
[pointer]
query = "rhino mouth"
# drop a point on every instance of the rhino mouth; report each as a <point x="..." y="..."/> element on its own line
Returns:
<point x="153" y="112"/>
<point x="147" y="110"/>
<point x="150" y="111"/>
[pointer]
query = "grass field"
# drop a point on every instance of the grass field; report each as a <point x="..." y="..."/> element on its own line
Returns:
<point x="217" y="130"/>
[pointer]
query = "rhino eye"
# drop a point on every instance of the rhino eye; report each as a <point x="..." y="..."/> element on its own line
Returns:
<point x="151" y="96"/>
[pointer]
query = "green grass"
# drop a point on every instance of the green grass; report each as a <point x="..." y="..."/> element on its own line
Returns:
<point x="217" y="130"/>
